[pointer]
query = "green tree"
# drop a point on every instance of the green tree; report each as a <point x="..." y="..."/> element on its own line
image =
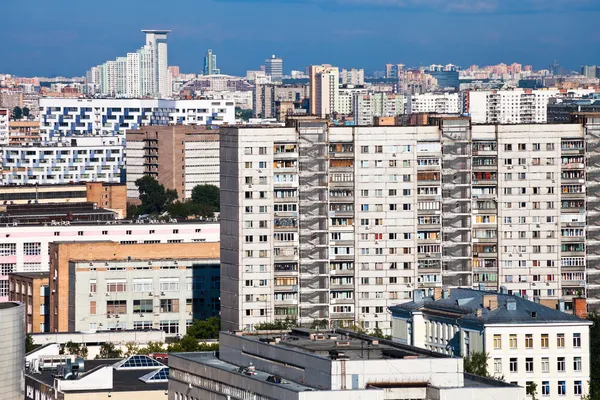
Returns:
<point x="207" y="195"/>
<point x="17" y="113"/>
<point x="278" y="325"/>
<point x="75" y="349"/>
<point x="319" y="324"/>
<point x="132" y="210"/>
<point x="131" y="349"/>
<point x="29" y="345"/>
<point x="25" y="112"/>
<point x="244" y="115"/>
<point x="152" y="347"/>
<point x="205" y="329"/>
<point x="476" y="363"/>
<point x="108" y="350"/>
<point x="153" y="196"/>
<point x="531" y="390"/>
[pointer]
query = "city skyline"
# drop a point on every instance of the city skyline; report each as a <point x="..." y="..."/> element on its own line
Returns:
<point x="390" y="31"/>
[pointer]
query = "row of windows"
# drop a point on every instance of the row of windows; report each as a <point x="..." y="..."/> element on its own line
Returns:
<point x="561" y="365"/>
<point x="544" y="341"/>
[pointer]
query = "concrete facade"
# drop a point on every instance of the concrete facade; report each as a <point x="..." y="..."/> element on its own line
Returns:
<point x="31" y="289"/>
<point x="107" y="285"/>
<point x="179" y="157"/>
<point x="339" y="223"/>
<point x="12" y="357"/>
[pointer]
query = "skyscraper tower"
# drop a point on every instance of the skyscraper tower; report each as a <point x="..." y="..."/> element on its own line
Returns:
<point x="274" y="68"/>
<point x="210" y="64"/>
<point x="156" y="40"/>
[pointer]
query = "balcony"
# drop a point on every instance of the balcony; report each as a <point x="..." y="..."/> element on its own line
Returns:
<point x="285" y="288"/>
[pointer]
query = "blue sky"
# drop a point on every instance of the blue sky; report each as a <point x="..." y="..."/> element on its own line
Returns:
<point x="66" y="37"/>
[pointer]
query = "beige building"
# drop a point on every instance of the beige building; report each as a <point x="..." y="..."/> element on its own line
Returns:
<point x="109" y="285"/>
<point x="31" y="289"/>
<point x="179" y="156"/>
<point x="23" y="132"/>
<point x="324" y="89"/>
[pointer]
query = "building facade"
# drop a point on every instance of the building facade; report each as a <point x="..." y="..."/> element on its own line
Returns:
<point x="108" y="285"/>
<point x="82" y="159"/>
<point x="337" y="223"/>
<point x="4" y="126"/>
<point x="210" y="64"/>
<point x="179" y="157"/>
<point x="23" y="132"/>
<point x="324" y="89"/>
<point x="60" y="118"/>
<point x="441" y="103"/>
<point x="274" y="68"/>
<point x="25" y="248"/>
<point x="31" y="289"/>
<point x="12" y="358"/>
<point x="368" y="106"/>
<point x="527" y="343"/>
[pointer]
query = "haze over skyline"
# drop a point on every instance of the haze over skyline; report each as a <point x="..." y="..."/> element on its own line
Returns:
<point x="67" y="38"/>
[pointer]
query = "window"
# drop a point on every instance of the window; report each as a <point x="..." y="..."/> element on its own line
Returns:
<point x="8" y="249"/>
<point x="92" y="308"/>
<point x="577" y="388"/>
<point x="142" y="285"/>
<point x="169" y="326"/>
<point x="116" y="285"/>
<point x="545" y="365"/>
<point x="544" y="341"/>
<point x="577" y="340"/>
<point x="562" y="388"/>
<point x="560" y="364"/>
<point x="529" y="365"/>
<point x="169" y="305"/>
<point x="497" y="342"/>
<point x="513" y="366"/>
<point x="169" y="284"/>
<point x="143" y="306"/>
<point x="560" y="340"/>
<point x="116" y="307"/>
<point x="545" y="388"/>
<point x="92" y="286"/>
<point x="32" y="249"/>
<point x="513" y="341"/>
<point x="497" y="365"/>
<point x="529" y="341"/>
<point x="577" y="364"/>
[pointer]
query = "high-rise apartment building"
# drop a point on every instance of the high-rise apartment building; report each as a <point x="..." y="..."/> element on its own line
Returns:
<point x="324" y="89"/>
<point x="210" y="64"/>
<point x="441" y="103"/>
<point x="180" y="157"/>
<point x="353" y="77"/>
<point x="143" y="73"/>
<point x="367" y="106"/>
<point x="589" y="71"/>
<point x="339" y="223"/>
<point x="518" y="106"/>
<point x="274" y="68"/>
<point x="393" y="71"/>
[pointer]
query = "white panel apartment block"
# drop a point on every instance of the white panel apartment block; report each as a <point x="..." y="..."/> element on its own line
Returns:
<point x="337" y="224"/>
<point x="112" y="117"/>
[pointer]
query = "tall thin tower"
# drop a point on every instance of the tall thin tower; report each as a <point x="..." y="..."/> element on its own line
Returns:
<point x="157" y="40"/>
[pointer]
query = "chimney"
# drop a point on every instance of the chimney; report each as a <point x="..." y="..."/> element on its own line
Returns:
<point x="482" y="287"/>
<point x="503" y="290"/>
<point x="580" y="307"/>
<point x="490" y="301"/>
<point x="479" y="312"/>
<point x="418" y="296"/>
<point x="561" y="305"/>
<point x="446" y="293"/>
<point x="437" y="293"/>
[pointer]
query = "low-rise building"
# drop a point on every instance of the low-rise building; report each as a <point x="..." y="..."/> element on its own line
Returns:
<point x="23" y="132"/>
<point x="179" y="157"/>
<point x="108" y="285"/>
<point x="527" y="342"/>
<point x="441" y="103"/>
<point x="307" y="364"/>
<point x="25" y="247"/>
<point x="31" y="289"/>
<point x="65" y="377"/>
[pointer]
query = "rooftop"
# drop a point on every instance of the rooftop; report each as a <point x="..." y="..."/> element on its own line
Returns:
<point x="468" y="305"/>
<point x="32" y="275"/>
<point x="9" y="304"/>
<point x="341" y="343"/>
<point x="124" y="380"/>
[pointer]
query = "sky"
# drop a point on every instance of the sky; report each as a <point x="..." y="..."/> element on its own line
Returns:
<point x="67" y="37"/>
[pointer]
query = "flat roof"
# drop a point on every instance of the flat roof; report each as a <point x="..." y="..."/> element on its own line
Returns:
<point x="209" y="359"/>
<point x="354" y="346"/>
<point x="123" y="380"/>
<point x="9" y="304"/>
<point x="30" y="274"/>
